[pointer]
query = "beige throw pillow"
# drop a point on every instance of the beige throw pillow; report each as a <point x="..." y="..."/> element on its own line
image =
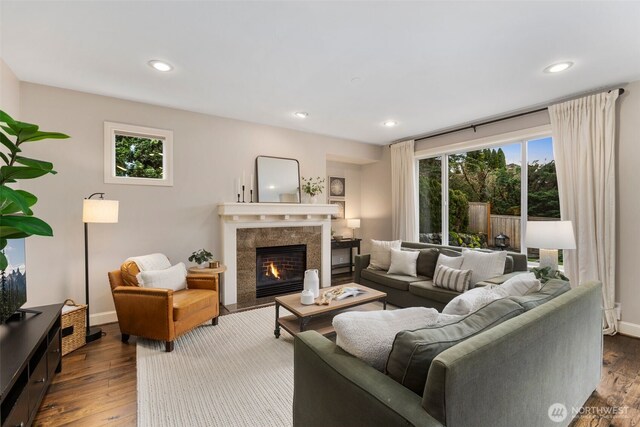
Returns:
<point x="449" y="261"/>
<point x="404" y="262"/>
<point x="484" y="265"/>
<point x="381" y="253"/>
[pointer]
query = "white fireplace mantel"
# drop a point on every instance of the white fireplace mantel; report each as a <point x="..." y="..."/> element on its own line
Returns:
<point x="265" y="215"/>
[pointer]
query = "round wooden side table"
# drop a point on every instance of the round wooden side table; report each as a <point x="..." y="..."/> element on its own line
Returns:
<point x="210" y="271"/>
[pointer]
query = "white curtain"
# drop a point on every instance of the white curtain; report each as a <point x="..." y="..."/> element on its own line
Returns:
<point x="584" y="150"/>
<point x="403" y="191"/>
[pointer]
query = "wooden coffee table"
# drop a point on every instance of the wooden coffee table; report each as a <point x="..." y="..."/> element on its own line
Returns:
<point x="319" y="317"/>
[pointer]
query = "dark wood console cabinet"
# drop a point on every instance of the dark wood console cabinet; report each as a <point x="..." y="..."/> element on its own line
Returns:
<point x="30" y="355"/>
<point x="345" y="244"/>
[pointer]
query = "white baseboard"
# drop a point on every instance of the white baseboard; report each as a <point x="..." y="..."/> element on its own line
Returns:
<point x="631" y="329"/>
<point x="102" y="318"/>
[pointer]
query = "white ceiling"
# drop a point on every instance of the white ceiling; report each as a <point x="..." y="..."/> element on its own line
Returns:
<point x="428" y="65"/>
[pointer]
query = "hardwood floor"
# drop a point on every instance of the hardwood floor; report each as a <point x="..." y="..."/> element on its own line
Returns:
<point x="97" y="385"/>
<point x="616" y="401"/>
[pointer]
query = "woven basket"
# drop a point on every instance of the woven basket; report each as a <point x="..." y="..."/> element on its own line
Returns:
<point x="74" y="324"/>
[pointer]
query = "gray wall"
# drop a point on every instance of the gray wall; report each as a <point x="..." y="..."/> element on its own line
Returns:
<point x="628" y="208"/>
<point x="209" y="153"/>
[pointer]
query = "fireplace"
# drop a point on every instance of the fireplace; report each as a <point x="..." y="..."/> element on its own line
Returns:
<point x="280" y="269"/>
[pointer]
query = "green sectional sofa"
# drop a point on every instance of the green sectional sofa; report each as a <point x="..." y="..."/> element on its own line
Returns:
<point x="407" y="291"/>
<point x="510" y="373"/>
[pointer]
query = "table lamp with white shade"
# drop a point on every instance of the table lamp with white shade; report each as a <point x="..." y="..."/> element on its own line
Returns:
<point x="353" y="223"/>
<point x="550" y="236"/>
<point x="95" y="211"/>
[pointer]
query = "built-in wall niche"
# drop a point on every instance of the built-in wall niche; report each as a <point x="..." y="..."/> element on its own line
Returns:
<point x="343" y="190"/>
<point x="137" y="155"/>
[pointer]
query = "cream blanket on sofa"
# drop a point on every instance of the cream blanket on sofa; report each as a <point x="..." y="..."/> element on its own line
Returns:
<point x="369" y="335"/>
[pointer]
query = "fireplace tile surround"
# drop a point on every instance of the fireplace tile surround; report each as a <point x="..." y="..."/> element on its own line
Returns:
<point x="248" y="239"/>
<point x="246" y="226"/>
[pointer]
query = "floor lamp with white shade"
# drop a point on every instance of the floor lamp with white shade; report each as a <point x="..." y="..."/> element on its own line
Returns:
<point x="95" y="211"/>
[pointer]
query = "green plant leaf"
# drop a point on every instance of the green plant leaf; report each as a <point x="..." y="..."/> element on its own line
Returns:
<point x="3" y="244"/>
<point x="13" y="208"/>
<point x="26" y="224"/>
<point x="9" y="196"/>
<point x="25" y="130"/>
<point x="4" y="263"/>
<point x="11" y="233"/>
<point x="20" y="172"/>
<point x="5" y="118"/>
<point x="9" y="130"/>
<point x="4" y="140"/>
<point x="40" y="135"/>
<point x="15" y="127"/>
<point x="37" y="164"/>
<point x="4" y="157"/>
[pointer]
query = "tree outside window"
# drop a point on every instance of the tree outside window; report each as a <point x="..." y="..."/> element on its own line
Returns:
<point x="138" y="157"/>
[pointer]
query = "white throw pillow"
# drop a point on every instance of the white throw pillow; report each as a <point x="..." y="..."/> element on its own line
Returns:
<point x="174" y="278"/>
<point x="451" y="278"/>
<point x="369" y="335"/>
<point x="471" y="301"/>
<point x="521" y="284"/>
<point x="484" y="265"/>
<point x="404" y="262"/>
<point x="381" y="253"/>
<point x="449" y="261"/>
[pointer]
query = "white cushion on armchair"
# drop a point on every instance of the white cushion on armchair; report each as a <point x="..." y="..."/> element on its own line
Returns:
<point x="174" y="278"/>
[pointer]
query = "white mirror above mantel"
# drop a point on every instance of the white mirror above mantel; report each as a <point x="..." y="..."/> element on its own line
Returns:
<point x="236" y="216"/>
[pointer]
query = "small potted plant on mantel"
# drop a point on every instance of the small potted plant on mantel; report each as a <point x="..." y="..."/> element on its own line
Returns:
<point x="201" y="257"/>
<point x="312" y="187"/>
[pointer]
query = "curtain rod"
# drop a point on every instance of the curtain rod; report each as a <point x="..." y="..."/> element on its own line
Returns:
<point x="488" y="122"/>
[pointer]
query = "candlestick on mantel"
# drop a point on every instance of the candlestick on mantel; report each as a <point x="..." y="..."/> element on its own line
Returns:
<point x="251" y="196"/>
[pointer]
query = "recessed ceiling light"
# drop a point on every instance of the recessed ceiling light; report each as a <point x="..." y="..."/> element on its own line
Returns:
<point x="301" y="114"/>
<point x="390" y="123"/>
<point x="560" y="66"/>
<point x="160" y="65"/>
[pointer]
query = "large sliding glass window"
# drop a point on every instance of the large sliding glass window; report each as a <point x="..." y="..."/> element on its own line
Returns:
<point x="486" y="195"/>
<point x="543" y="200"/>
<point x="430" y="199"/>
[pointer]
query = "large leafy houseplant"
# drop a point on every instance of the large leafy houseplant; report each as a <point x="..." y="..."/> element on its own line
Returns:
<point x="16" y="217"/>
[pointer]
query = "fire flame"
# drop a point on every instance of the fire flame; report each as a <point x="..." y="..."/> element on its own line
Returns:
<point x="273" y="271"/>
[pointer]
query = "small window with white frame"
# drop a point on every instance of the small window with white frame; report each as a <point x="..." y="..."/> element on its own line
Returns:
<point x="137" y="155"/>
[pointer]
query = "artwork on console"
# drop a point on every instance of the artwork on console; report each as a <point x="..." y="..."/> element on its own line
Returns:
<point x="13" y="279"/>
<point x="337" y="186"/>
<point x="341" y="208"/>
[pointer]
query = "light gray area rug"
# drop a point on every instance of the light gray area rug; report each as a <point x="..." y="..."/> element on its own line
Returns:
<point x="233" y="374"/>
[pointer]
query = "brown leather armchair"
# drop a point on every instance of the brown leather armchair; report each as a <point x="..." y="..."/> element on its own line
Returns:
<point x="162" y="314"/>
